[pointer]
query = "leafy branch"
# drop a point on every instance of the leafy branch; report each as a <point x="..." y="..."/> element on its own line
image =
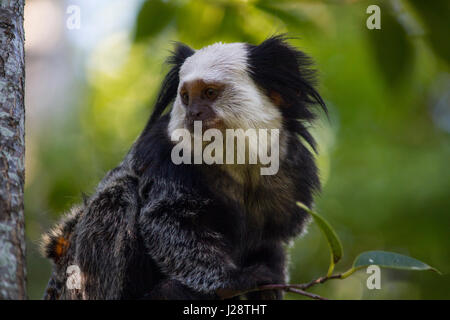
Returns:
<point x="380" y="258"/>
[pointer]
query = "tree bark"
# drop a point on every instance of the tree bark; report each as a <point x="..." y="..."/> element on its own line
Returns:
<point x="12" y="150"/>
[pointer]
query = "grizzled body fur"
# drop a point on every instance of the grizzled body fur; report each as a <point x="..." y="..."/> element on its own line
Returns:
<point x="158" y="230"/>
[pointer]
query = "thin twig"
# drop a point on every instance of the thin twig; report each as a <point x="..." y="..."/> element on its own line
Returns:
<point x="318" y="281"/>
<point x="306" y="294"/>
<point x="295" y="288"/>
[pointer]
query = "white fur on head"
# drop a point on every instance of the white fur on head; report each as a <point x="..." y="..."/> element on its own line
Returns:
<point x="242" y="105"/>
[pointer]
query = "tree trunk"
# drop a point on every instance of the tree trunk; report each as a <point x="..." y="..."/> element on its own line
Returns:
<point x="12" y="150"/>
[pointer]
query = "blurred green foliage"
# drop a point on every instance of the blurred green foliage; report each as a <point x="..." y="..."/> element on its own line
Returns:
<point x="384" y="161"/>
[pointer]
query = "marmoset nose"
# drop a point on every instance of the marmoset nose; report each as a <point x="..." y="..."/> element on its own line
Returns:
<point x="195" y="114"/>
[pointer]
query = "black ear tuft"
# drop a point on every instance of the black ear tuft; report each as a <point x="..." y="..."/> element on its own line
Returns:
<point x="283" y="71"/>
<point x="169" y="86"/>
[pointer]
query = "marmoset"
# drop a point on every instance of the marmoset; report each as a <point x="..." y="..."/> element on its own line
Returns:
<point x="158" y="229"/>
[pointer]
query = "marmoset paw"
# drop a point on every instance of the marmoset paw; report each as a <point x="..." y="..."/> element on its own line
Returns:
<point x="258" y="275"/>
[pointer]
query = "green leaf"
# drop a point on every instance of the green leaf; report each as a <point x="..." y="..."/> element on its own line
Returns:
<point x="332" y="238"/>
<point x="389" y="260"/>
<point x="153" y="17"/>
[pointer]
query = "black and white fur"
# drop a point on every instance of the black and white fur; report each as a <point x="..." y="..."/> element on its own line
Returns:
<point x="154" y="229"/>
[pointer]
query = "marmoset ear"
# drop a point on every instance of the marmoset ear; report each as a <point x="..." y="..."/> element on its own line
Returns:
<point x="169" y="86"/>
<point x="285" y="75"/>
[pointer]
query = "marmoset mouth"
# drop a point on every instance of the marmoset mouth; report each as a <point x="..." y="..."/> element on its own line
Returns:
<point x="228" y="146"/>
<point x="214" y="123"/>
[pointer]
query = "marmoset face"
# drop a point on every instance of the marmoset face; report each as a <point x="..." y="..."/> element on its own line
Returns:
<point x="215" y="88"/>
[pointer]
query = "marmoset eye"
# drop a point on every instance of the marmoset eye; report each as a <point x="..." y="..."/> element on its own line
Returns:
<point x="211" y="93"/>
<point x="185" y="97"/>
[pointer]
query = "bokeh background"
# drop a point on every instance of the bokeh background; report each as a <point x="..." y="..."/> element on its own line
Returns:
<point x="385" y="150"/>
